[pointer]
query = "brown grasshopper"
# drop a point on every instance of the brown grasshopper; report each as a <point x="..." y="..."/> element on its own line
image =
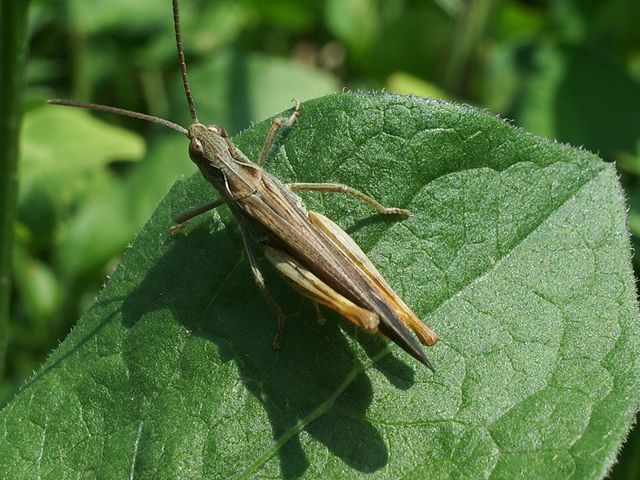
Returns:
<point x="310" y="251"/>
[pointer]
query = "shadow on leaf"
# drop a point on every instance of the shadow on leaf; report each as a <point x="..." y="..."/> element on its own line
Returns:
<point x="314" y="383"/>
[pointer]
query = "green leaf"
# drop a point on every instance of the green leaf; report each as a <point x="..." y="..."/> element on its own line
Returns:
<point x="102" y="15"/>
<point x="575" y="96"/>
<point x="80" y="141"/>
<point x="516" y="253"/>
<point x="376" y="35"/>
<point x="403" y="83"/>
<point x="64" y="155"/>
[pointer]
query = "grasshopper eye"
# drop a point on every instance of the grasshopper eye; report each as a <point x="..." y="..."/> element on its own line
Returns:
<point x="218" y="130"/>
<point x="195" y="147"/>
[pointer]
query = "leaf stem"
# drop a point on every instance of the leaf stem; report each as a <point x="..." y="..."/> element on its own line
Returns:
<point x="13" y="21"/>
<point x="471" y="24"/>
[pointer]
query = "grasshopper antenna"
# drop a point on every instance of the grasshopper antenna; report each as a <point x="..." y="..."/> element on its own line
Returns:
<point x="183" y="63"/>
<point x="120" y="111"/>
<point x="142" y="116"/>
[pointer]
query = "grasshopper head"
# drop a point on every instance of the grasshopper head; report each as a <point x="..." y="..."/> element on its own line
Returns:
<point x="208" y="146"/>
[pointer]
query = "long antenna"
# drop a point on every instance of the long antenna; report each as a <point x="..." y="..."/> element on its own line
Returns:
<point x="120" y="111"/>
<point x="183" y="63"/>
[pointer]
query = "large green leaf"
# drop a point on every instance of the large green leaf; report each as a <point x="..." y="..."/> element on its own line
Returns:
<point x="516" y="253"/>
<point x="64" y="155"/>
<point x="58" y="143"/>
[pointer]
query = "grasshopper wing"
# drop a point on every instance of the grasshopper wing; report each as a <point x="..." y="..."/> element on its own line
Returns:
<point x="346" y="244"/>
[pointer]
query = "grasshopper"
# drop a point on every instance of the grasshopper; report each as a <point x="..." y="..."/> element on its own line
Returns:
<point x="310" y="251"/>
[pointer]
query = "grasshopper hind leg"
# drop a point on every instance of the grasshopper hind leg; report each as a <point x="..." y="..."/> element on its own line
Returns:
<point x="312" y="287"/>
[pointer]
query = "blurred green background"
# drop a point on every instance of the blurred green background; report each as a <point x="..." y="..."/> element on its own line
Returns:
<point x="564" y="69"/>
